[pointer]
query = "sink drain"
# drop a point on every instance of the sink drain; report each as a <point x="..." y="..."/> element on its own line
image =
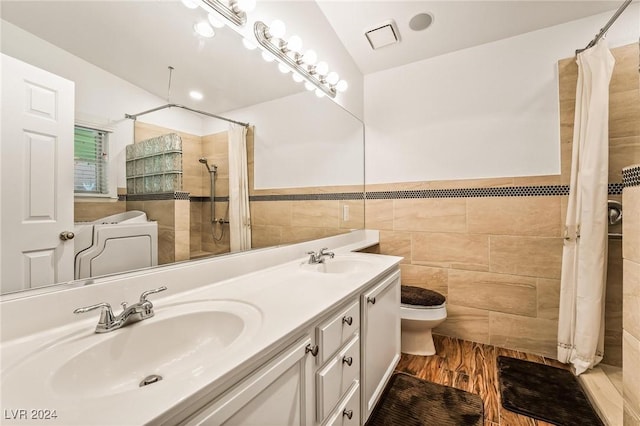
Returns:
<point x="149" y="380"/>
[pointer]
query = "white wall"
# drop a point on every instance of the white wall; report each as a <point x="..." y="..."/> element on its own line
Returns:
<point x="101" y="97"/>
<point x="487" y="111"/>
<point x="302" y="141"/>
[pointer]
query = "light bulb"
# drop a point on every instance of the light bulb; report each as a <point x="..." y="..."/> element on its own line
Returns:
<point x="268" y="56"/>
<point x="214" y="21"/>
<point x="249" y="44"/>
<point x="309" y="86"/>
<point x="319" y="93"/>
<point x="294" y="43"/>
<point x="246" y="5"/>
<point x="204" y="29"/>
<point x="322" y="68"/>
<point x="277" y="29"/>
<point x="191" y="4"/>
<point x="310" y="57"/>
<point x="196" y="95"/>
<point x="342" y="86"/>
<point x="283" y="68"/>
<point x="297" y="77"/>
<point x="332" y="78"/>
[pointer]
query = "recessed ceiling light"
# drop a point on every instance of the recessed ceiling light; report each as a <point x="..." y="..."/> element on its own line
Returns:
<point x="421" y="21"/>
<point x="204" y="29"/>
<point x="195" y="95"/>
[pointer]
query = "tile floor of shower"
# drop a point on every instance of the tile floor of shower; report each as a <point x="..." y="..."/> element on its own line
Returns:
<point x="472" y="367"/>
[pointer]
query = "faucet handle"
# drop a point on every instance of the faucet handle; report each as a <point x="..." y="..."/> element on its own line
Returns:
<point x="144" y="295"/>
<point x="106" y="315"/>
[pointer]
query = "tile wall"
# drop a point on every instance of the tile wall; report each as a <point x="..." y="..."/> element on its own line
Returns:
<point x="494" y="246"/>
<point x="631" y="291"/>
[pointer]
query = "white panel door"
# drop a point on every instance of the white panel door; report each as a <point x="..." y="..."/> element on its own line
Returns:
<point x="37" y="176"/>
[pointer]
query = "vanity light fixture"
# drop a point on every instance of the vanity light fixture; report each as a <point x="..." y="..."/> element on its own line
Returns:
<point x="235" y="12"/>
<point x="288" y="53"/>
<point x="204" y="29"/>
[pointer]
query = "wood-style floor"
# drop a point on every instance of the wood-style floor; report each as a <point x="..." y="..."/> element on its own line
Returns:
<point x="472" y="367"/>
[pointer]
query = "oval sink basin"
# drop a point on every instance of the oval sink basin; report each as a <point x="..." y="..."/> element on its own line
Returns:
<point x="342" y="265"/>
<point x="180" y="341"/>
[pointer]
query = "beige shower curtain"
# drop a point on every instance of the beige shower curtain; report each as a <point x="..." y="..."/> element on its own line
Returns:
<point x="239" y="214"/>
<point x="584" y="256"/>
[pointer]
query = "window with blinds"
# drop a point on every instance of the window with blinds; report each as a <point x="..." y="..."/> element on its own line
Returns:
<point x="90" y="161"/>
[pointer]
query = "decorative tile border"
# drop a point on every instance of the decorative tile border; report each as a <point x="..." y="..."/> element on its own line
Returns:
<point x="631" y="176"/>
<point x="207" y="199"/>
<point x="177" y="195"/>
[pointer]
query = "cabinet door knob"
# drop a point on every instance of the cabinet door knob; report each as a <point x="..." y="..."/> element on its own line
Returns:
<point x="311" y="348"/>
<point x="347" y="320"/>
<point x="347" y="360"/>
<point x="348" y="413"/>
<point x="371" y="300"/>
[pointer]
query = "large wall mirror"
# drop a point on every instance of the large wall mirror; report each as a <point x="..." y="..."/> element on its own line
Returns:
<point x="304" y="155"/>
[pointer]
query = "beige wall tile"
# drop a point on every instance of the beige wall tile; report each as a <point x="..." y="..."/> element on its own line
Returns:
<point x="182" y="215"/>
<point x="623" y="152"/>
<point x="536" y="216"/>
<point x="356" y="214"/>
<point x="631" y="294"/>
<point x="434" y="214"/>
<point x="493" y="292"/>
<point x="274" y="213"/>
<point x="379" y="214"/>
<point x="624" y="113"/>
<point x="531" y="256"/>
<point x="396" y="244"/>
<point x="631" y="223"/>
<point x="166" y="245"/>
<point x="631" y="373"/>
<point x="613" y="305"/>
<point x="465" y="323"/>
<point x="533" y="335"/>
<point x="536" y="180"/>
<point x="629" y="417"/>
<point x="548" y="298"/>
<point x="182" y="250"/>
<point x="162" y="211"/>
<point x="426" y="277"/>
<point x="265" y="236"/>
<point x="298" y="234"/>
<point x="88" y="211"/>
<point x="316" y="214"/>
<point x="460" y="251"/>
<point x="135" y="205"/>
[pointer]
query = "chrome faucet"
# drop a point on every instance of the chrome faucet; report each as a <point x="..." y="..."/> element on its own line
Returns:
<point x="130" y="314"/>
<point x="315" y="258"/>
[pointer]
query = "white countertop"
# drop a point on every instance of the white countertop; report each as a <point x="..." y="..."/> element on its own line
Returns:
<point x="288" y="298"/>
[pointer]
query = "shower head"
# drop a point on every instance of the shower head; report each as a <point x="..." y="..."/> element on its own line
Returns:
<point x="204" y="161"/>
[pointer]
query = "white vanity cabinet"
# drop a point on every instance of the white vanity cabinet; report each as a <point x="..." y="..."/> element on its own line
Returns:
<point x="338" y="340"/>
<point x="278" y="393"/>
<point x="333" y="375"/>
<point x="380" y="331"/>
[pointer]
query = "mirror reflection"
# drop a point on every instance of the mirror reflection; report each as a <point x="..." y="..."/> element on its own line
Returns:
<point x="175" y="184"/>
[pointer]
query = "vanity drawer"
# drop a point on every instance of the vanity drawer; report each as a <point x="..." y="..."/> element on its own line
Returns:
<point x="333" y="380"/>
<point x="337" y="330"/>
<point x="350" y="406"/>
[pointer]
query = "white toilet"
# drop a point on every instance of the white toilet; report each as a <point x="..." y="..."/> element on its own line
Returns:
<point x="420" y="310"/>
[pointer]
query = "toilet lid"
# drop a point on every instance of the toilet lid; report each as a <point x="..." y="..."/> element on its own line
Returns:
<point x="411" y="295"/>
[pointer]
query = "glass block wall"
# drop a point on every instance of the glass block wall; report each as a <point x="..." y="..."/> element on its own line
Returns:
<point x="155" y="165"/>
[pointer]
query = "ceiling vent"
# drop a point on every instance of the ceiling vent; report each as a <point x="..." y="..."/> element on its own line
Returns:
<point x="382" y="35"/>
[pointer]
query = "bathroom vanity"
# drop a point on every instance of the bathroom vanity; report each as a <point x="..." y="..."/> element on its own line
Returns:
<point x="279" y="342"/>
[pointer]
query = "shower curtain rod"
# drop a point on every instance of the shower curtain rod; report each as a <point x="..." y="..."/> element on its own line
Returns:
<point x="208" y="114"/>
<point x="604" y="29"/>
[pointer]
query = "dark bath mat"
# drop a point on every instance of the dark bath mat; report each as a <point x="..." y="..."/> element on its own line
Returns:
<point x="544" y="392"/>
<point x="409" y="401"/>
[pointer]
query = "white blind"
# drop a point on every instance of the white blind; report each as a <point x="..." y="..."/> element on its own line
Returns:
<point x="90" y="161"/>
